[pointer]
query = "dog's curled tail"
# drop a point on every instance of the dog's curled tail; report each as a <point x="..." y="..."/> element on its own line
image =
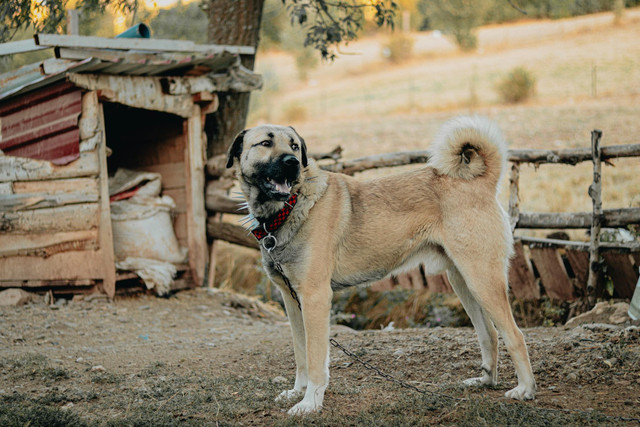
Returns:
<point x="468" y="147"/>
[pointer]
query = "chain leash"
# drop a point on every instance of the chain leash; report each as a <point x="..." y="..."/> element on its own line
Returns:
<point x="269" y="243"/>
<point x="388" y="377"/>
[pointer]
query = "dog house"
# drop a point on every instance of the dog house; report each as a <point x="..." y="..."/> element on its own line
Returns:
<point x="69" y="122"/>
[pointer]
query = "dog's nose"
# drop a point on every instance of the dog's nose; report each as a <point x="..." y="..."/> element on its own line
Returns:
<point x="290" y="160"/>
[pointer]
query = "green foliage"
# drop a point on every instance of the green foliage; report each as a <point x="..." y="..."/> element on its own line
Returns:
<point x="398" y="48"/>
<point x="518" y="86"/>
<point x="327" y="24"/>
<point x="182" y="22"/>
<point x="457" y="18"/>
<point x="15" y="15"/>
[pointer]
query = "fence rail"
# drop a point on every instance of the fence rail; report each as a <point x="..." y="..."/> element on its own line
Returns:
<point x="564" y="269"/>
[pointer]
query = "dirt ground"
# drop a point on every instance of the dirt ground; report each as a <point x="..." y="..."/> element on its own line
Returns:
<point x="211" y="358"/>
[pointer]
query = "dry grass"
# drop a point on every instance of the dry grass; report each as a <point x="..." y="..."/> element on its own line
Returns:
<point x="369" y="107"/>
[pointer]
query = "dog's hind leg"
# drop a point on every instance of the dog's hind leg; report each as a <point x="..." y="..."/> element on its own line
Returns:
<point x="487" y="335"/>
<point x="299" y="347"/>
<point x="487" y="283"/>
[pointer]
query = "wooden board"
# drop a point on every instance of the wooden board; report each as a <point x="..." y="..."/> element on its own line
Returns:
<point x="23" y="169"/>
<point x="179" y="195"/>
<point x="196" y="213"/>
<point x="383" y="285"/>
<point x="56" y="186"/>
<point x="45" y="245"/>
<point x="173" y="175"/>
<point x="439" y="283"/>
<point x="579" y="262"/>
<point x="620" y="270"/>
<point x="553" y="275"/>
<point x="18" y="202"/>
<point x="61" y="266"/>
<point x="521" y="279"/>
<point x="83" y="216"/>
<point x="410" y="280"/>
<point x="108" y="275"/>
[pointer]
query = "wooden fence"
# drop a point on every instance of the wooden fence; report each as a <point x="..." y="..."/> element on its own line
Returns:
<point x="561" y="269"/>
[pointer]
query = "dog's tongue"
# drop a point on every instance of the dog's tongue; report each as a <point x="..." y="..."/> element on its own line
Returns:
<point x="282" y="187"/>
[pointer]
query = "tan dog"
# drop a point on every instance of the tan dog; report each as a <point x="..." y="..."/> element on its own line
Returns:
<point x="339" y="231"/>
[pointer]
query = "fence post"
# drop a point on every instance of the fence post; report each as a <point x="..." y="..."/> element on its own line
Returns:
<point x="514" y="196"/>
<point x="595" y="192"/>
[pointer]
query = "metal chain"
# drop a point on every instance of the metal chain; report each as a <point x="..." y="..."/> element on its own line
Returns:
<point x="391" y="378"/>
<point x="269" y="243"/>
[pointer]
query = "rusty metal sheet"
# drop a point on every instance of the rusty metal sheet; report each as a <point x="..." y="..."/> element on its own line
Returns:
<point x="43" y="125"/>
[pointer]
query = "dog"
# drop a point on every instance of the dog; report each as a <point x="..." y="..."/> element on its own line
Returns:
<point x="322" y="231"/>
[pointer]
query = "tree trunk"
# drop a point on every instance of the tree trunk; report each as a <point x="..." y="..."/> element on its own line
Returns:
<point x="231" y="22"/>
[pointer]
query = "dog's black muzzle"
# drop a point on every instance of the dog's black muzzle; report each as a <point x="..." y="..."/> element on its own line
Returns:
<point x="275" y="178"/>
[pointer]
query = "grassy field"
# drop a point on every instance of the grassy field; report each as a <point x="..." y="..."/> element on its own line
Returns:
<point x="588" y="77"/>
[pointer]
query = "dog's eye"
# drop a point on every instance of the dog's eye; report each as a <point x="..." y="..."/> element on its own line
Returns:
<point x="295" y="147"/>
<point x="266" y="143"/>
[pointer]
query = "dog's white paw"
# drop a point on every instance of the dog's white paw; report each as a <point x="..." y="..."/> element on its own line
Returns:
<point x="521" y="392"/>
<point x="304" y="407"/>
<point x="289" y="394"/>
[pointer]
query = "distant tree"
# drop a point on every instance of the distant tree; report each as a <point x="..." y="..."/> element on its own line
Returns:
<point x="457" y="18"/>
<point x="326" y="24"/>
<point x="50" y="16"/>
<point x="181" y="22"/>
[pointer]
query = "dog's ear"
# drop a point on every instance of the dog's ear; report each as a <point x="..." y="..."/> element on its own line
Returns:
<point x="236" y="148"/>
<point x="303" y="148"/>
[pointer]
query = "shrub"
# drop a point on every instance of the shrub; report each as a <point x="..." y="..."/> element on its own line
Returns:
<point x="518" y="86"/>
<point x="398" y="49"/>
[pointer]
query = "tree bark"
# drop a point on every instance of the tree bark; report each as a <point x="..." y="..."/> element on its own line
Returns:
<point x="231" y="22"/>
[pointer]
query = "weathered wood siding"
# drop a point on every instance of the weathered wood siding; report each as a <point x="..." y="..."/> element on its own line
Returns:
<point x="52" y="217"/>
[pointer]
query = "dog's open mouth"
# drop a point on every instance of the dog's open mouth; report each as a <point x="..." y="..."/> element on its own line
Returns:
<point x="283" y="188"/>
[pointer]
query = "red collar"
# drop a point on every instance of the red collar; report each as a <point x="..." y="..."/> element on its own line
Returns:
<point x="276" y="221"/>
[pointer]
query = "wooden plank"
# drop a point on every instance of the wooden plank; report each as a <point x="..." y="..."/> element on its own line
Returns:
<point x="106" y="233"/>
<point x="620" y="270"/>
<point x="179" y="195"/>
<point x="17" y="202"/>
<point x="383" y="285"/>
<point x="45" y="245"/>
<point x="595" y="192"/>
<point x="21" y="46"/>
<point x="521" y="279"/>
<point x="56" y="186"/>
<point x="180" y="228"/>
<point x="23" y="169"/>
<point x="196" y="213"/>
<point x="135" y="91"/>
<point x="611" y="218"/>
<point x="571" y="244"/>
<point x="572" y="156"/>
<point x="6" y="188"/>
<point x="579" y="262"/>
<point x="62" y="266"/>
<point x="230" y="233"/>
<point x="553" y="275"/>
<point x="64" y="218"/>
<point x="439" y="283"/>
<point x="57" y="40"/>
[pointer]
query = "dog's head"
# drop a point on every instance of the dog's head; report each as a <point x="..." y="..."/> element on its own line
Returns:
<point x="271" y="159"/>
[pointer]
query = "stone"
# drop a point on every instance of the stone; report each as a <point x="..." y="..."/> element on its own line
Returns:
<point x="279" y="380"/>
<point x="603" y="312"/>
<point x="15" y="297"/>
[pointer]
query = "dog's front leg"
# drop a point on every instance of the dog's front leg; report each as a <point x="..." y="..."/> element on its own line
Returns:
<point x="316" y="307"/>
<point x="299" y="347"/>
